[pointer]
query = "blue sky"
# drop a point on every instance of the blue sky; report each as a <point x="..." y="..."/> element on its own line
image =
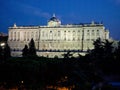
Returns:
<point x="38" y="12"/>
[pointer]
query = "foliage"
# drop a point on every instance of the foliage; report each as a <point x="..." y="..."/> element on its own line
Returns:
<point x="67" y="55"/>
<point x="7" y="52"/>
<point x="32" y="49"/>
<point x="98" y="48"/>
<point x="25" y="51"/>
<point x="108" y="48"/>
<point x="1" y="50"/>
<point x="117" y="51"/>
<point x="78" y="73"/>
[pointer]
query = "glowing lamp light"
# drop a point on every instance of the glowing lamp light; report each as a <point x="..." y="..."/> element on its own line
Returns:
<point x="2" y="44"/>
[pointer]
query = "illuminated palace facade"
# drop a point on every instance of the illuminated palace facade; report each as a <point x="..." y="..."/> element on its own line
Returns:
<point x="55" y="38"/>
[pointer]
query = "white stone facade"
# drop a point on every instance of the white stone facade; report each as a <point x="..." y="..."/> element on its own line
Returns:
<point x="57" y="37"/>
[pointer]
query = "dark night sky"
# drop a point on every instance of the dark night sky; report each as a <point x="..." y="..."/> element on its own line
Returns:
<point x="38" y="12"/>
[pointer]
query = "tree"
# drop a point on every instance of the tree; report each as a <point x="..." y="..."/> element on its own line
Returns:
<point x="108" y="48"/>
<point x="25" y="51"/>
<point x="98" y="48"/>
<point x="1" y="54"/>
<point x="7" y="52"/>
<point x="1" y="51"/>
<point x="117" y="51"/>
<point x="67" y="55"/>
<point x="32" y="49"/>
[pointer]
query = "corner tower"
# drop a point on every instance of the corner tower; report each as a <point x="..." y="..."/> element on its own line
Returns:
<point x="54" y="22"/>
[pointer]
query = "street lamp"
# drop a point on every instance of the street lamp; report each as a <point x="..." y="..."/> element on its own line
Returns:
<point x="2" y="44"/>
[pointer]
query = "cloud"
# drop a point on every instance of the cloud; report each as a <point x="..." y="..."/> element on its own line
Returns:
<point x="117" y="1"/>
<point x="32" y="10"/>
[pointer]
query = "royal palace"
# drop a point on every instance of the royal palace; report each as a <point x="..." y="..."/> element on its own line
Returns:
<point x="54" y="39"/>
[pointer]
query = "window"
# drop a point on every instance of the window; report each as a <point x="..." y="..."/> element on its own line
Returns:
<point x="58" y="33"/>
<point x="78" y="39"/>
<point x="73" y="33"/>
<point x="88" y="33"/>
<point x="65" y="33"/>
<point x="97" y="33"/>
<point x="93" y="32"/>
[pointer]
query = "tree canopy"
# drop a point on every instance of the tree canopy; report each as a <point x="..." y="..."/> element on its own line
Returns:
<point x="31" y="51"/>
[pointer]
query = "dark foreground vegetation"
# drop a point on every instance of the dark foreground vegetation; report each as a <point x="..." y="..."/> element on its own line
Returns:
<point x="89" y="72"/>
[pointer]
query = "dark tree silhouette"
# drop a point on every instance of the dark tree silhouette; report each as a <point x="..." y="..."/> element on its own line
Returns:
<point x="98" y="48"/>
<point x="1" y="51"/>
<point x="25" y="51"/>
<point x="1" y="54"/>
<point x="108" y="48"/>
<point x="7" y="52"/>
<point x="32" y="49"/>
<point x="67" y="55"/>
<point x="117" y="51"/>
